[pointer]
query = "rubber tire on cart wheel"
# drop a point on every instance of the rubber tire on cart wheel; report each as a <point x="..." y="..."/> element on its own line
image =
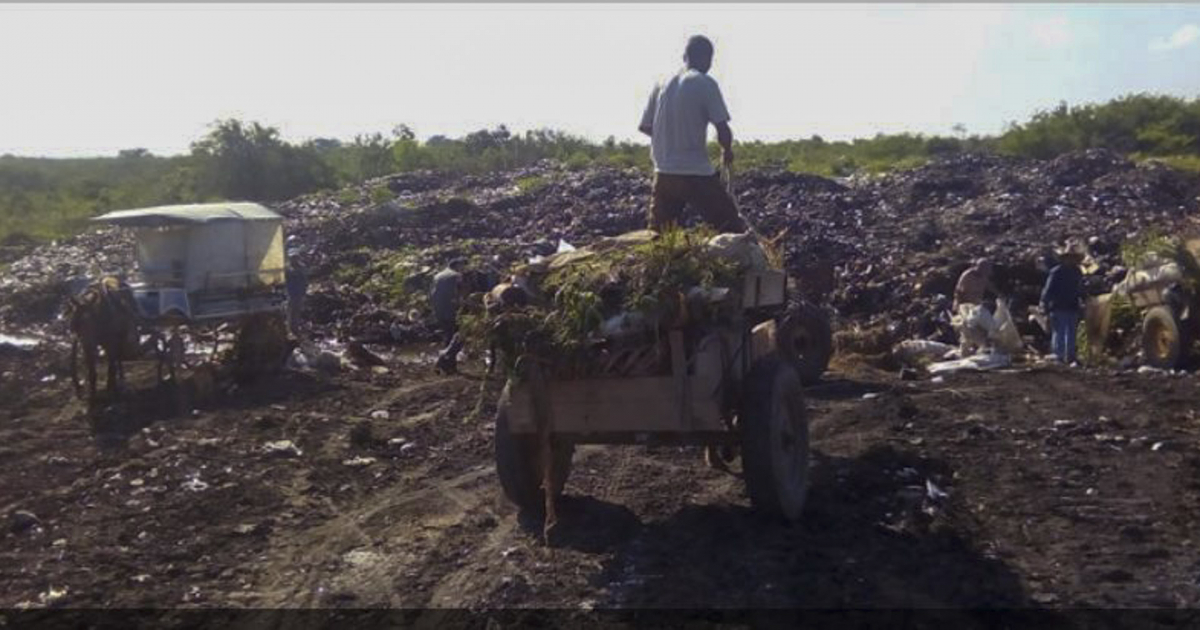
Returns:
<point x="804" y="337"/>
<point x="774" y="430"/>
<point x="1162" y="339"/>
<point x="517" y="463"/>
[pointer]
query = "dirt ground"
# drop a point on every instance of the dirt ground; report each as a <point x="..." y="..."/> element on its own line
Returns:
<point x="1032" y="487"/>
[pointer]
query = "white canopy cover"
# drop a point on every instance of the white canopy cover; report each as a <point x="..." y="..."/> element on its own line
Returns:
<point x="206" y="247"/>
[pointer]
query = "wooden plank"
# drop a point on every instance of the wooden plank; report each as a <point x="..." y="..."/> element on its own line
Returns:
<point x="763" y="288"/>
<point x="644" y="404"/>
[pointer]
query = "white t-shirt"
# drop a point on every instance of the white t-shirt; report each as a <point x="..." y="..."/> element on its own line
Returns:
<point x="679" y="112"/>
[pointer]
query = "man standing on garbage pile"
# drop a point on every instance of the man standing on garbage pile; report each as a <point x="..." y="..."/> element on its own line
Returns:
<point x="1062" y="300"/>
<point x="296" y="283"/>
<point x="973" y="284"/>
<point x="443" y="297"/>
<point x="676" y="119"/>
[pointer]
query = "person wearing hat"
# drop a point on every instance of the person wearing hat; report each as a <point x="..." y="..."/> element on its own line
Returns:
<point x="1062" y="299"/>
<point x="973" y="284"/>
<point x="443" y="296"/>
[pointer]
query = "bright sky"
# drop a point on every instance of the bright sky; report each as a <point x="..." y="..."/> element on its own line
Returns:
<point x="94" y="79"/>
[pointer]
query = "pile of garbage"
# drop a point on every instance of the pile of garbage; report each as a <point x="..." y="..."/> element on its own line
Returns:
<point x="625" y="291"/>
<point x="881" y="252"/>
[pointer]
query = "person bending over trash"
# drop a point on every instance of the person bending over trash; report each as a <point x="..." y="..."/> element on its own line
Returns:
<point x="676" y="119"/>
<point x="444" y="298"/>
<point x="1061" y="300"/>
<point x="973" y="284"/>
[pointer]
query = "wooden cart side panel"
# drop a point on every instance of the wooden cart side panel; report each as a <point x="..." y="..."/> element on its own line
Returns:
<point x="638" y="405"/>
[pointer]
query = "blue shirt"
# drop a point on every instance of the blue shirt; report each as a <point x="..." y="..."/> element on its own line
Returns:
<point x="1064" y="288"/>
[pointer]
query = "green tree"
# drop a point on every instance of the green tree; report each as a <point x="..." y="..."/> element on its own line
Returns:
<point x="249" y="161"/>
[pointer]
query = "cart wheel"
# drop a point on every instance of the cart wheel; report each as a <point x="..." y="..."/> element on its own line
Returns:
<point x="774" y="428"/>
<point x="1162" y="339"/>
<point x="804" y="338"/>
<point x="517" y="463"/>
<point x="261" y="346"/>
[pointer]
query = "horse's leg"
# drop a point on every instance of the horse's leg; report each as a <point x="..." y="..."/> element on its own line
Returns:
<point x="89" y="357"/>
<point x="119" y="359"/>
<point x="75" y="367"/>
<point x="112" y="369"/>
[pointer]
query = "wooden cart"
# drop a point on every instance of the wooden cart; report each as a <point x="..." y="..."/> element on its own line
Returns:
<point x="1164" y="293"/>
<point x="736" y="385"/>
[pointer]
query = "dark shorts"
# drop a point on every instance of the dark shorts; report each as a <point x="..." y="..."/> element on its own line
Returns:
<point x="703" y="192"/>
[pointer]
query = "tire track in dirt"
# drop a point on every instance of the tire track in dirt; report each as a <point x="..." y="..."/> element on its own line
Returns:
<point x="362" y="550"/>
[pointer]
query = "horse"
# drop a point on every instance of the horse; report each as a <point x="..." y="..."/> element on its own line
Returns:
<point x="102" y="315"/>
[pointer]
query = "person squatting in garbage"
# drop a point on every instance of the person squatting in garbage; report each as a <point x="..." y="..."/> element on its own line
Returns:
<point x="444" y="297"/>
<point x="1062" y="300"/>
<point x="676" y="118"/>
<point x="974" y="284"/>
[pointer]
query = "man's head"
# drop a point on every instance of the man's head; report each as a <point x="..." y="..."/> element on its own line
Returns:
<point x="984" y="266"/>
<point x="699" y="53"/>
<point x="458" y="264"/>
<point x="1073" y="252"/>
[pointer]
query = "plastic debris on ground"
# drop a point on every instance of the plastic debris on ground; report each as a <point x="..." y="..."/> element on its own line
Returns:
<point x="975" y="363"/>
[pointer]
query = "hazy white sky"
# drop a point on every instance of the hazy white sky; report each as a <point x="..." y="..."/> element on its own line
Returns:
<point x="93" y="79"/>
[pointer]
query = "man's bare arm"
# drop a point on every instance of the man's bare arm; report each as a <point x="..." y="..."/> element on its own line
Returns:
<point x="725" y="139"/>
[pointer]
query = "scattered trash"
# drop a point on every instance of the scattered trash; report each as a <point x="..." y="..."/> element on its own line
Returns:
<point x="976" y="363"/>
<point x="915" y="351"/>
<point x="870" y="395"/>
<point x="20" y="343"/>
<point x="53" y="596"/>
<point x="328" y="362"/>
<point x="379" y="414"/>
<point x="283" y="448"/>
<point x="23" y="520"/>
<point x="195" y="484"/>
<point x="358" y="462"/>
<point x="934" y="493"/>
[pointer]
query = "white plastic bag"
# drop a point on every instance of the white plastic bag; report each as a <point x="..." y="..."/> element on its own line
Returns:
<point x="1005" y="337"/>
<point x="975" y="363"/>
<point x="975" y="327"/>
<point x="912" y="351"/>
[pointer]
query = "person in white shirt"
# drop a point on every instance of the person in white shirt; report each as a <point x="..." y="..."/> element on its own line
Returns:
<point x="677" y="119"/>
